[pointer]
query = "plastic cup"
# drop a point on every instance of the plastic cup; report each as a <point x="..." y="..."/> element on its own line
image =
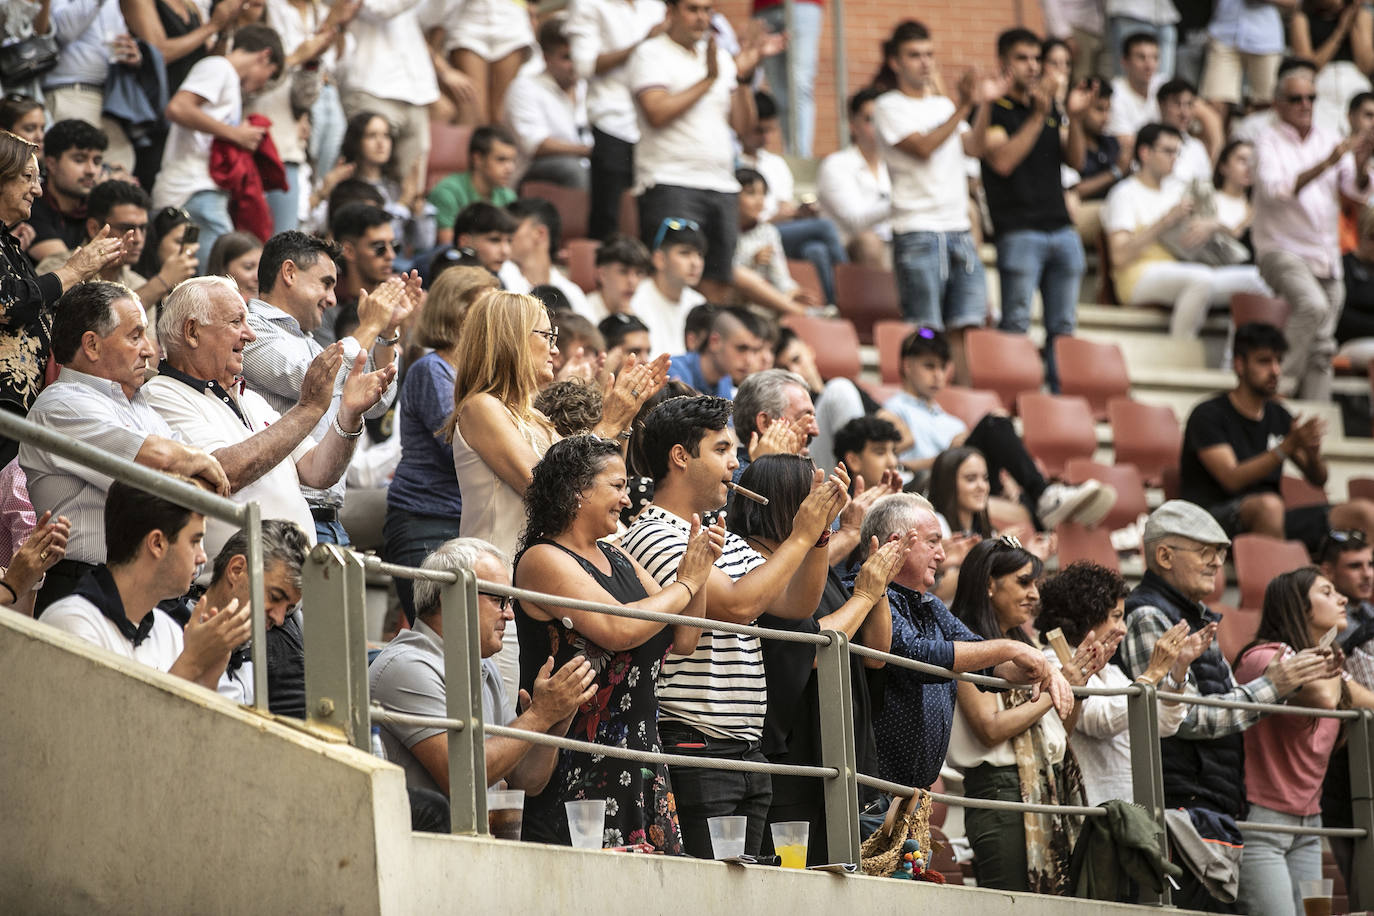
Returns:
<point x="727" y="835"/>
<point x="586" y="822"/>
<point x="505" y="812"/>
<point x="789" y="842"/>
<point x="1316" y="896"/>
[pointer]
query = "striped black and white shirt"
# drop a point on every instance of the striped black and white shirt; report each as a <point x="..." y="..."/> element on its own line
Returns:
<point x="719" y="689"/>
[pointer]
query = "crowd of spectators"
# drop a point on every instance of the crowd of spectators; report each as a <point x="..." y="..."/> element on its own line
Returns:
<point x="250" y="282"/>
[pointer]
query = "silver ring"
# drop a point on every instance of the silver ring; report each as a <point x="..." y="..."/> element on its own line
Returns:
<point x="634" y="392"/>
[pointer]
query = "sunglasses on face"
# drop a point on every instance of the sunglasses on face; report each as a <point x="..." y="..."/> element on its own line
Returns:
<point x="381" y="248"/>
<point x="1294" y="99"/>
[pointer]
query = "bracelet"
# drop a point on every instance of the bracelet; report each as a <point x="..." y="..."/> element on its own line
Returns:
<point x="1172" y="684"/>
<point x="691" y="595"/>
<point x="390" y="341"/>
<point x="824" y="539"/>
<point x="625" y="433"/>
<point x="346" y="435"/>
<point x="10" y="588"/>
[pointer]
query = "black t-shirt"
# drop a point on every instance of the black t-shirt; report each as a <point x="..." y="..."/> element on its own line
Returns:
<point x="49" y="223"/>
<point x="1357" y="317"/>
<point x="1100" y="160"/>
<point x="1216" y="421"/>
<point x="1032" y="196"/>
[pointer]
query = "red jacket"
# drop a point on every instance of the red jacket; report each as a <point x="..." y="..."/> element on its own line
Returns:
<point x="247" y="176"/>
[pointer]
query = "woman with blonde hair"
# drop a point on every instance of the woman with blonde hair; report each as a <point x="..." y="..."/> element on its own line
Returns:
<point x="423" y="503"/>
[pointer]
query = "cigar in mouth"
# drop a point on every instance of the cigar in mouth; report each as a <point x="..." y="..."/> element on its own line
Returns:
<point x="748" y="494"/>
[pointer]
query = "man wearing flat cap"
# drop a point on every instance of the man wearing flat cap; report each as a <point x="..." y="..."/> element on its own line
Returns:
<point x="1185" y="548"/>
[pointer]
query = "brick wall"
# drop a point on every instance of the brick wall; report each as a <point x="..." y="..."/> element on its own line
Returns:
<point x="965" y="32"/>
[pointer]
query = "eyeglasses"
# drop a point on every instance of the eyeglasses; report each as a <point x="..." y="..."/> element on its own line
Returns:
<point x="502" y="601"/>
<point x="1308" y="97"/>
<point x="676" y="224"/>
<point x="381" y="248"/>
<point x="1208" y="555"/>
<point x="550" y="336"/>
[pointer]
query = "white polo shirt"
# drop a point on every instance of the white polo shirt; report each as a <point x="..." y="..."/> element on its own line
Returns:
<point x="76" y="615"/>
<point x="696" y="149"/>
<point x="201" y="417"/>
<point x="537" y="109"/>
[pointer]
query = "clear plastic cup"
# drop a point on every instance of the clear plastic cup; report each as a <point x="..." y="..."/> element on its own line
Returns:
<point x="789" y="842"/>
<point x="727" y="835"/>
<point x="1316" y="896"/>
<point x="505" y="812"/>
<point x="586" y="822"/>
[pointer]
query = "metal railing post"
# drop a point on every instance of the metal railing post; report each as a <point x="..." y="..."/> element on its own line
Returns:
<point x="467" y="762"/>
<point x="835" y="691"/>
<point x="1147" y="773"/>
<point x="257" y="596"/>
<point x="336" y="643"/>
<point x="1361" y="745"/>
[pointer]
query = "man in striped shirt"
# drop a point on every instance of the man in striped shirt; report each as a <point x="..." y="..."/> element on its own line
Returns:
<point x="712" y="702"/>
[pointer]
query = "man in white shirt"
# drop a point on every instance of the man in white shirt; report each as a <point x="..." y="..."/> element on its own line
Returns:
<point x="100" y="338"/>
<point x="209" y="106"/>
<point x="155" y="549"/>
<point x="1178" y="109"/>
<point x="855" y="190"/>
<point x="533" y="246"/>
<point x="663" y="300"/>
<point x="603" y="34"/>
<point x="1138" y="212"/>
<point x="1155" y="18"/>
<point x="1080" y="24"/>
<point x="924" y="137"/>
<point x="690" y="95"/>
<point x="547" y="113"/>
<point x="622" y="263"/>
<point x="1133" y="93"/>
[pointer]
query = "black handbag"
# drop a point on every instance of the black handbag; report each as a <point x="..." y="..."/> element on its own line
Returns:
<point x="22" y="59"/>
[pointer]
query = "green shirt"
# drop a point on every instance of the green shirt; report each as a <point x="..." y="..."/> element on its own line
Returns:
<point x="455" y="192"/>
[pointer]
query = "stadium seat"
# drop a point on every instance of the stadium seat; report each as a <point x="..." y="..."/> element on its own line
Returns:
<point x="968" y="404"/>
<point x="942" y="858"/>
<point x="1171" y="482"/>
<point x="582" y="263"/>
<point x="1078" y="542"/>
<point x="804" y="272"/>
<point x="1361" y="487"/>
<point x="1145" y="435"/>
<point x="1055" y="428"/>
<point x="1260" y="558"/>
<point x="1248" y="307"/>
<point x="448" y="151"/>
<point x="1238" y="626"/>
<point x="865" y="296"/>
<point x="835" y="342"/>
<point x="887" y="338"/>
<point x="1130" y="489"/>
<point x="1005" y="363"/>
<point x="574" y="206"/>
<point x="629" y="214"/>
<point x="1093" y="370"/>
<point x="1298" y="493"/>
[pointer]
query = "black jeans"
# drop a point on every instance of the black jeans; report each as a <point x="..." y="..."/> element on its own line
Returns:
<point x="701" y="793"/>
<point x="1003" y="449"/>
<point x="612" y="174"/>
<point x="998" y="838"/>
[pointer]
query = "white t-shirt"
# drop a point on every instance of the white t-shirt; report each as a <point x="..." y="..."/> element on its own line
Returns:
<point x="1232" y="211"/>
<point x="597" y="27"/>
<point x="928" y="195"/>
<point x="537" y="109"/>
<point x="1193" y="161"/>
<point x="186" y="159"/>
<point x="515" y="281"/>
<point x="696" y="149"/>
<point x="1129" y="111"/>
<point x="78" y="616"/>
<point x="778" y="174"/>
<point x="1131" y="206"/>
<point x="667" y="320"/>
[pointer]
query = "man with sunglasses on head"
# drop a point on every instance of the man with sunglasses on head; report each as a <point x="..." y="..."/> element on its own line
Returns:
<point x="1303" y="173"/>
<point x="1346" y="558"/>
<point x="664" y="298"/>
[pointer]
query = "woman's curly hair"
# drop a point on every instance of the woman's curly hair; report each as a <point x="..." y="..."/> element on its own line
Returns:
<point x="1078" y="599"/>
<point x="567" y="470"/>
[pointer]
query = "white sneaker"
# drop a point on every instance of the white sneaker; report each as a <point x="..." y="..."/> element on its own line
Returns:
<point x="1087" y="503"/>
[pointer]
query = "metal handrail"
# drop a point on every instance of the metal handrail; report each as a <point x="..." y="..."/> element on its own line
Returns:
<point x="188" y="495"/>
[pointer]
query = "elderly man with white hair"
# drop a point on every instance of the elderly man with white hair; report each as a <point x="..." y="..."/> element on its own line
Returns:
<point x="200" y="392"/>
<point x="913" y="724"/>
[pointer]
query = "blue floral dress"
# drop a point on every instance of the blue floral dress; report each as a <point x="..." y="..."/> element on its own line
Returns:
<point x="623" y="713"/>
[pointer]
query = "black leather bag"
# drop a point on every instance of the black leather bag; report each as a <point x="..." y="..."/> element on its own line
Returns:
<point x="25" y="58"/>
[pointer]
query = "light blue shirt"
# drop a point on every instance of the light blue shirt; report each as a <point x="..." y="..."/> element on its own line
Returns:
<point x="1249" y="26"/>
<point x="932" y="430"/>
<point x="686" y="367"/>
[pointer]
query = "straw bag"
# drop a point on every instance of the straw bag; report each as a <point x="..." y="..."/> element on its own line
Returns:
<point x="907" y="818"/>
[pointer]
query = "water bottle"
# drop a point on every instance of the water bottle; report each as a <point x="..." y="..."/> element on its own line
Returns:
<point x="377" y="749"/>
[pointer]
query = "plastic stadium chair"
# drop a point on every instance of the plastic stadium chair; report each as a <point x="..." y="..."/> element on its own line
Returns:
<point x="804" y="272"/>
<point x="1130" y="489"/>
<point x="1361" y="487"/>
<point x="629" y="214"/>
<point x="866" y="295"/>
<point x="574" y="205"/>
<point x="1096" y="371"/>
<point x="448" y="151"/>
<point x="835" y="342"/>
<point x="1005" y="363"/>
<point x="1238" y="626"/>
<point x="968" y="404"/>
<point x="1145" y="435"/>
<point x="887" y="338"/>
<point x="1077" y="542"/>
<point x="1298" y="493"/>
<point x="582" y="263"/>
<point x="1055" y="428"/>
<point x="1260" y="558"/>
<point x="1248" y="307"/>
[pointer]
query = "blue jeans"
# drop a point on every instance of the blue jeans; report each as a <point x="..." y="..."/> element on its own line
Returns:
<point x="815" y="240"/>
<point x="808" y="19"/>
<point x="331" y="533"/>
<point x="1273" y="864"/>
<point x="210" y="211"/>
<point x="1053" y="263"/>
<point x="1119" y="28"/>
<point x="407" y="538"/>
<point x="940" y="279"/>
<point x="286" y="205"/>
<point x="701" y="793"/>
<point x="327" y="125"/>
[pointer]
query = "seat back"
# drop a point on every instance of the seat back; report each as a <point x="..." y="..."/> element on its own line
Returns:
<point x="1124" y="478"/>
<point x="1298" y="493"/>
<point x="866" y="295"/>
<point x="805" y="275"/>
<point x="1055" y="428"/>
<point x="1078" y="542"/>
<point x="448" y="151"/>
<point x="1094" y="370"/>
<point x="1361" y="487"/>
<point x="1238" y="626"/>
<point x="582" y="263"/>
<point x="887" y="339"/>
<point x="574" y="205"/>
<point x="1145" y="435"/>
<point x="629" y="214"/>
<point x="1259" y="558"/>
<point x="1005" y="363"/>
<point x="968" y="404"/>
<point x="1248" y="307"/>
<point x="835" y="342"/>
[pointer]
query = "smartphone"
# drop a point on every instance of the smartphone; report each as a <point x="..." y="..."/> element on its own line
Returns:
<point x="189" y="237"/>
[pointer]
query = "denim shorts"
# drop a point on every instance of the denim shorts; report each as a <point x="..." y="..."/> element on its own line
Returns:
<point x="940" y="279"/>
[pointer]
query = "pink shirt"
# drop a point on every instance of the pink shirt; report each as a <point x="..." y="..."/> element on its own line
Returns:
<point x="17" y="517"/>
<point x="1308" y="225"/>
<point x="1285" y="757"/>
